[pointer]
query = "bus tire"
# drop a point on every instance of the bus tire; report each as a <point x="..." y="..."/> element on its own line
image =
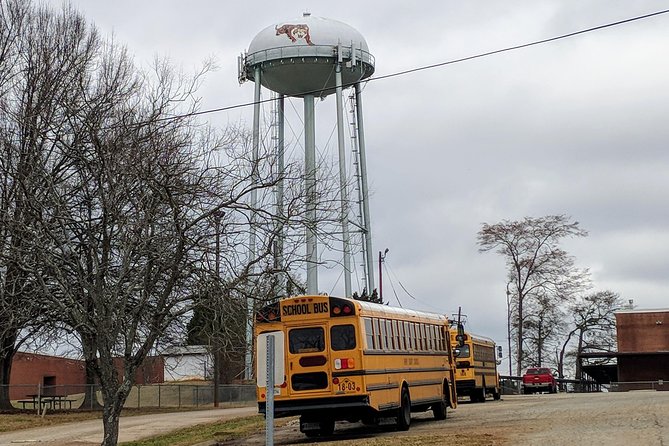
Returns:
<point x="325" y="427"/>
<point x="404" y="411"/>
<point x="496" y="395"/>
<point x="479" y="394"/>
<point x="439" y="410"/>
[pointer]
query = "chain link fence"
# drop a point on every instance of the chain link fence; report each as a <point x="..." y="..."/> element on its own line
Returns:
<point x="87" y="397"/>
<point x="626" y="386"/>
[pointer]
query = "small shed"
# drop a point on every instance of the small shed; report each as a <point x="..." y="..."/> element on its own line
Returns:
<point x="188" y="363"/>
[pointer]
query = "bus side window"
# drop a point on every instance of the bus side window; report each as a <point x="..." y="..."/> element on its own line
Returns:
<point x="407" y="336"/>
<point x="369" y="334"/>
<point x="416" y="335"/>
<point x="423" y="339"/>
<point x="400" y="336"/>
<point x="433" y="338"/>
<point x="384" y="334"/>
<point x="391" y="336"/>
<point x="378" y="344"/>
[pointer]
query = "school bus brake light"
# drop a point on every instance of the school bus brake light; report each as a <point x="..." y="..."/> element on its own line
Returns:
<point x="344" y="363"/>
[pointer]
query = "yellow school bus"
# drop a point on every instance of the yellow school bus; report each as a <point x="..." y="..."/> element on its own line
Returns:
<point x="476" y="363"/>
<point x="357" y="361"/>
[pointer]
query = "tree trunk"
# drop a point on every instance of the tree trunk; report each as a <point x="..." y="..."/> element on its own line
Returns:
<point x="579" y="372"/>
<point x="6" y="356"/>
<point x="90" y="396"/>
<point x="110" y="422"/>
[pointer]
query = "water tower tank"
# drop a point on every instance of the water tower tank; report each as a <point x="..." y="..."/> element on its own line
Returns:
<point x="298" y="57"/>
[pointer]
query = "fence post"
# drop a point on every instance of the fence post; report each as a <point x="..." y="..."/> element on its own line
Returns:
<point x="39" y="397"/>
<point x="159" y="396"/>
<point x="197" y="396"/>
<point x="139" y="396"/>
<point x="179" y="387"/>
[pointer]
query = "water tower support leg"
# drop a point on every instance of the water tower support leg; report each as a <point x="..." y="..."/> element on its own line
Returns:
<point x="310" y="189"/>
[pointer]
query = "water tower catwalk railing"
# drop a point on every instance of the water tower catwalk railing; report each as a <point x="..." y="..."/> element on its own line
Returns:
<point x="288" y="54"/>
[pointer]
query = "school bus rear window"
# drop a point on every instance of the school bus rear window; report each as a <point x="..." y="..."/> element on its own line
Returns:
<point x="306" y="340"/>
<point x="342" y="337"/>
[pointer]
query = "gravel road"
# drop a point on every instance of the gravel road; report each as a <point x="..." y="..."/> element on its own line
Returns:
<point x="611" y="419"/>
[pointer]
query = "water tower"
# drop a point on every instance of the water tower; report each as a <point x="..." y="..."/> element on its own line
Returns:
<point x="312" y="57"/>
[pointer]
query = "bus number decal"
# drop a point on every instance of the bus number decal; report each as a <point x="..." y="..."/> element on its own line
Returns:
<point x="346" y="385"/>
<point x="300" y="309"/>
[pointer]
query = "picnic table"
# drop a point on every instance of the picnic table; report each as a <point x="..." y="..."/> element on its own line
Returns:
<point x="50" y="401"/>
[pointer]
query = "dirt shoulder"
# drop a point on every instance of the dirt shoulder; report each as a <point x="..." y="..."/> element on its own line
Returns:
<point x="131" y="428"/>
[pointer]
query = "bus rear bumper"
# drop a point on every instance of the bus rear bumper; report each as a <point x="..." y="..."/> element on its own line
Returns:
<point x="343" y="407"/>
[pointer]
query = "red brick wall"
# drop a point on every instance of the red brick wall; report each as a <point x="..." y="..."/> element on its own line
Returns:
<point x="151" y="372"/>
<point x="68" y="375"/>
<point x="29" y="370"/>
<point x="646" y="331"/>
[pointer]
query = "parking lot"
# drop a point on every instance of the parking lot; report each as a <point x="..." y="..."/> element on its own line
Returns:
<point x="563" y="419"/>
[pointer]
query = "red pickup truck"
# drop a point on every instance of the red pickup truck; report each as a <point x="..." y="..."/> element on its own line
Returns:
<point x="539" y="379"/>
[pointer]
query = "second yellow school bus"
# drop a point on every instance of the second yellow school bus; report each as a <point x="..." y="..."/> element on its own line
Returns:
<point x="352" y="360"/>
<point x="476" y="375"/>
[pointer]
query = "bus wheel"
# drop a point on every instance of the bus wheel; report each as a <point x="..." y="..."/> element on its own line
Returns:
<point x="323" y="427"/>
<point x="439" y="410"/>
<point x="481" y="394"/>
<point x="404" y="412"/>
<point x="327" y="427"/>
<point x="496" y="395"/>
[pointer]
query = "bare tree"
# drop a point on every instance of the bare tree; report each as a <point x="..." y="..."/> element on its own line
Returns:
<point x="593" y="326"/>
<point x="37" y="70"/>
<point x="537" y="267"/>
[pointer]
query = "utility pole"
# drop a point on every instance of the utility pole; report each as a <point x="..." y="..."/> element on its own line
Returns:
<point x="382" y="258"/>
<point x="218" y="215"/>
<point x="508" y="323"/>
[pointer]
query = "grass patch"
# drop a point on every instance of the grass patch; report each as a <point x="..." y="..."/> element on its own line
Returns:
<point x="26" y="420"/>
<point x="218" y="431"/>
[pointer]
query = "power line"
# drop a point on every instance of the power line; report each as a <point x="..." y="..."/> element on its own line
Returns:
<point x="449" y="62"/>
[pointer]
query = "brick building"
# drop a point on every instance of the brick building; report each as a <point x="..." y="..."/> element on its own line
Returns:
<point x="32" y="371"/>
<point x="643" y="345"/>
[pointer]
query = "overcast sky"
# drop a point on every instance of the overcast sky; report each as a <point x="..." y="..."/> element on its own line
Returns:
<point x="578" y="127"/>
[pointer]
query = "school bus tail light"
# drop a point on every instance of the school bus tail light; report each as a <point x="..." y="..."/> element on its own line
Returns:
<point x="344" y="363"/>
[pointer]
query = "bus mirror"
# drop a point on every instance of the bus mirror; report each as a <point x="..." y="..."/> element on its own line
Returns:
<point x="460" y="337"/>
<point x="499" y="352"/>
